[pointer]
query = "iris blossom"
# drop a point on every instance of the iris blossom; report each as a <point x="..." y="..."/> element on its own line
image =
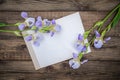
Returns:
<point x="98" y="42"/>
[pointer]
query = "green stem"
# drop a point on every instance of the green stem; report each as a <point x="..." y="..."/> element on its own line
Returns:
<point x="11" y="25"/>
<point x="109" y="14"/>
<point x="80" y="56"/>
<point x="9" y="31"/>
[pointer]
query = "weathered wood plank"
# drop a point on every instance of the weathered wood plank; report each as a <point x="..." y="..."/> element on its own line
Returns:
<point x="57" y="5"/>
<point x="91" y="71"/>
<point x="69" y="75"/>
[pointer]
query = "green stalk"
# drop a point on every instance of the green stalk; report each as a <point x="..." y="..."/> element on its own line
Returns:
<point x="9" y="31"/>
<point x="109" y="14"/>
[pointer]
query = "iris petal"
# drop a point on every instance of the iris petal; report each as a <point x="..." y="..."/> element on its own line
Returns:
<point x="21" y="27"/>
<point x="107" y="39"/>
<point x="38" y="24"/>
<point x="53" y="22"/>
<point x="75" y="55"/>
<point x="98" y="43"/>
<point x="39" y="18"/>
<point x="74" y="64"/>
<point x="84" y="61"/>
<point x="36" y="43"/>
<point x="30" y="22"/>
<point x="24" y="15"/>
<point x="28" y="38"/>
<point x="57" y="28"/>
<point x="97" y="33"/>
<point x="80" y="37"/>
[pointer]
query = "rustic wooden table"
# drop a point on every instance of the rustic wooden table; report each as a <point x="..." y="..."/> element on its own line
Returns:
<point x="15" y="61"/>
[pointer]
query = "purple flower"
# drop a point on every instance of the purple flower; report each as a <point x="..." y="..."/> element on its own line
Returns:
<point x="74" y="63"/>
<point x="52" y="33"/>
<point x="84" y="49"/>
<point x="98" y="43"/>
<point x="97" y="33"/>
<point x="39" y="18"/>
<point x="21" y="27"/>
<point x="30" y="22"/>
<point x="53" y="22"/>
<point x="80" y="45"/>
<point x="38" y="39"/>
<point x="28" y="38"/>
<point x="24" y="15"/>
<point x="36" y="43"/>
<point x="75" y="55"/>
<point x="57" y="28"/>
<point x="107" y="39"/>
<point x="84" y="61"/>
<point x="80" y="37"/>
<point x="46" y="22"/>
<point x="38" y="24"/>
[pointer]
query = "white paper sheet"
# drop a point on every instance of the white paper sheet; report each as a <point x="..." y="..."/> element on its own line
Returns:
<point x="60" y="47"/>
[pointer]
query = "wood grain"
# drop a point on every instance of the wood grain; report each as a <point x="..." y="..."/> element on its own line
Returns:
<point x="57" y="5"/>
<point x="91" y="71"/>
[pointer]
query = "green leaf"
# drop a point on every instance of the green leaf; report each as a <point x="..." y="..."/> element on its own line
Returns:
<point x="86" y="34"/>
<point x="17" y="24"/>
<point x="2" y="24"/>
<point x="109" y="27"/>
<point x="80" y="55"/>
<point x="17" y="33"/>
<point x="103" y="33"/>
<point x="116" y="19"/>
<point x="99" y="23"/>
<point x="34" y="28"/>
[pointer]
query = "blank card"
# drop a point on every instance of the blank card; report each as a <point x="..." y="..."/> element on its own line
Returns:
<point x="60" y="47"/>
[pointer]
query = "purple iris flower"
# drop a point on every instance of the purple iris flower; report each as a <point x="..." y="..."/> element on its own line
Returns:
<point x="75" y="55"/>
<point x="38" y="24"/>
<point x="24" y="15"/>
<point x="30" y="21"/>
<point x="84" y="61"/>
<point x="79" y="48"/>
<point x="28" y="38"/>
<point x="21" y="27"/>
<point x="107" y="39"/>
<point x="80" y="37"/>
<point x="97" y="34"/>
<point x="36" y="43"/>
<point x="80" y="45"/>
<point x="46" y="22"/>
<point x="52" y="33"/>
<point x="84" y="49"/>
<point x="98" y="42"/>
<point x="57" y="28"/>
<point x="74" y="63"/>
<point x="53" y="22"/>
<point x="39" y="18"/>
<point x="38" y="39"/>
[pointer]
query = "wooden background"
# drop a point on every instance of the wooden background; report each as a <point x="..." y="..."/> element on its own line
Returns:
<point x="15" y="61"/>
